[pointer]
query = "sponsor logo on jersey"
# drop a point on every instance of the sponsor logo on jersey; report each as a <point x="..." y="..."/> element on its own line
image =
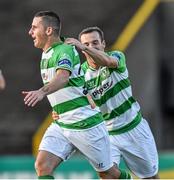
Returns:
<point x="64" y="62"/>
<point x="102" y="89"/>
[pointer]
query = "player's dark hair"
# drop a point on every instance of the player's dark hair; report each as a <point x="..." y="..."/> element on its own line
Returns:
<point x="92" y="29"/>
<point x="50" y="19"/>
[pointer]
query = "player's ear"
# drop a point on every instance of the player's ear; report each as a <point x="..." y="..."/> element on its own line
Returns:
<point x="104" y="44"/>
<point x="49" y="31"/>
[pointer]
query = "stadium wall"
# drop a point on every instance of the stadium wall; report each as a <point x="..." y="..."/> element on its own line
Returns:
<point x="22" y="167"/>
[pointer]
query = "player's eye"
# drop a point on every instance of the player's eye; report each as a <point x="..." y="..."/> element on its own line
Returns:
<point x="95" y="43"/>
<point x="87" y="44"/>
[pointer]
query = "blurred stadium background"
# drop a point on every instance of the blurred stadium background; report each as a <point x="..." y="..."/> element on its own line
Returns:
<point x="143" y="29"/>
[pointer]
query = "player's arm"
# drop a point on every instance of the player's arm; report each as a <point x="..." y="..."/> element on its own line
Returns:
<point x="100" y="57"/>
<point x="2" y="81"/>
<point x="58" y="82"/>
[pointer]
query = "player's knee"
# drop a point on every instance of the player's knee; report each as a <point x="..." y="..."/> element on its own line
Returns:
<point x="43" y="168"/>
<point x="112" y="173"/>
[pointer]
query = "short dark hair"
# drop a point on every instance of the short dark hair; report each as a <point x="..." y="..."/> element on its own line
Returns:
<point x="50" y="18"/>
<point x="92" y="29"/>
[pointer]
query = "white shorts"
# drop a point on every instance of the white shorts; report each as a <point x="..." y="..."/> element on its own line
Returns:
<point x="138" y="150"/>
<point x="93" y="143"/>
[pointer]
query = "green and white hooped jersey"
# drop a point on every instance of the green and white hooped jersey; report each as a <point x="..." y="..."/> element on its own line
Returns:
<point x="69" y="102"/>
<point x="111" y="90"/>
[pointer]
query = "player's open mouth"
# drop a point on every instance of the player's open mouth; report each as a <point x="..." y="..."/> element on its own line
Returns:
<point x="34" y="40"/>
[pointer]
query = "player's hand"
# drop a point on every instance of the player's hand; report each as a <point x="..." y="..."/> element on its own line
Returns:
<point x="55" y="116"/>
<point x="91" y="102"/>
<point x="32" y="97"/>
<point x="75" y="42"/>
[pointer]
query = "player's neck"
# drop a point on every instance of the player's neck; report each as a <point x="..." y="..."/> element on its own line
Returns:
<point x="50" y="42"/>
<point x="93" y="64"/>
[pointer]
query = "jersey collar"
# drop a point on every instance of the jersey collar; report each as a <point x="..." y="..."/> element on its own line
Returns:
<point x="54" y="45"/>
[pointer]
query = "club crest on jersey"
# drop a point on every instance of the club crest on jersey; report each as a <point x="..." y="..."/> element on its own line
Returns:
<point x="64" y="62"/>
<point x="44" y="63"/>
<point x="104" y="74"/>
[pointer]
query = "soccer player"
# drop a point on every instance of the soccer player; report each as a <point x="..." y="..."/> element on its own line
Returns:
<point x="107" y="81"/>
<point x="2" y="81"/>
<point x="79" y="126"/>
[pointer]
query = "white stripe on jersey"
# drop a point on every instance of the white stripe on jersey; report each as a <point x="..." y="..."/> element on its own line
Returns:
<point x="64" y="95"/>
<point x="78" y="114"/>
<point x="124" y="118"/>
<point x="48" y="54"/>
<point x="115" y="101"/>
<point x="90" y="74"/>
<point x="48" y="74"/>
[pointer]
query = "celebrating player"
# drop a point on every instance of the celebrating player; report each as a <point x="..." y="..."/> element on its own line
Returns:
<point x="107" y="81"/>
<point x="79" y="126"/>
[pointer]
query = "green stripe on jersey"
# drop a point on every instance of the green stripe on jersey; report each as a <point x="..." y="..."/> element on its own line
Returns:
<point x="127" y="127"/>
<point x="111" y="91"/>
<point x="76" y="82"/>
<point x="69" y="101"/>
<point x="84" y="124"/>
<point x="123" y="84"/>
<point x="71" y="105"/>
<point x="119" y="110"/>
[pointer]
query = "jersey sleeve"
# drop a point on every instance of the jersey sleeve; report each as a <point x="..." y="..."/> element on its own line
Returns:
<point x="121" y="60"/>
<point x="65" y="59"/>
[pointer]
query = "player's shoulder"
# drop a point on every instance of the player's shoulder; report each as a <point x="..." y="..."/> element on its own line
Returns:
<point x="120" y="57"/>
<point x="117" y="54"/>
<point x="63" y="46"/>
<point x="65" y="50"/>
